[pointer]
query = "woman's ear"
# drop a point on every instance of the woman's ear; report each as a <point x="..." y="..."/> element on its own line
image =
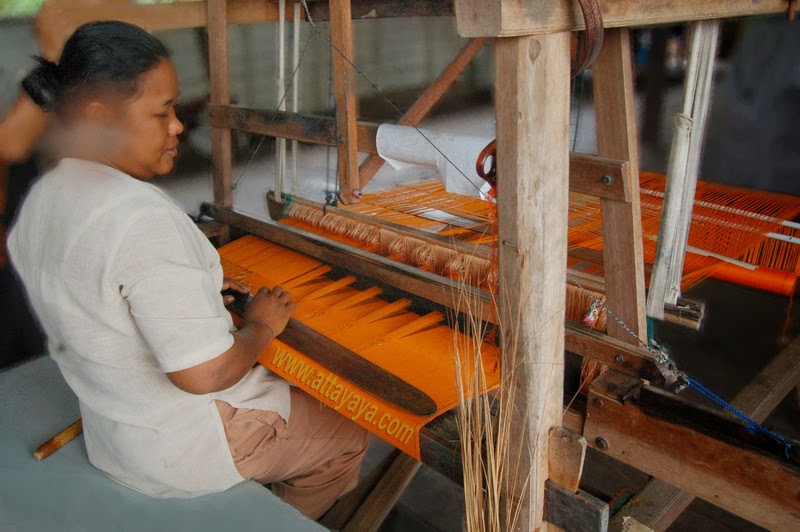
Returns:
<point x="99" y="113"/>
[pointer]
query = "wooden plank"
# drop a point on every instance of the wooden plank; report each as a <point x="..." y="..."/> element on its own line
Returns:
<point x="305" y="128"/>
<point x="532" y="110"/>
<point x="432" y="287"/>
<point x="426" y="101"/>
<point x="383" y="498"/>
<point x="700" y="451"/>
<point x="567" y="456"/>
<point x="659" y="504"/>
<point x="623" y="257"/>
<point x="586" y="172"/>
<point x="219" y="88"/>
<point x="370" y="9"/>
<point x="503" y="18"/>
<point x="159" y="17"/>
<point x="344" y="91"/>
<point x="600" y="177"/>
<point x="576" y="512"/>
<point x="347" y="505"/>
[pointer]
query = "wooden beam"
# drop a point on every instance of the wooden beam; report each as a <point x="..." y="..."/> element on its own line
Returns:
<point x="426" y="101"/>
<point x="503" y="18"/>
<point x="623" y="256"/>
<point x="370" y="9"/>
<point x="601" y="177"/>
<point x="219" y="88"/>
<point x="158" y="17"/>
<point x="659" y="503"/>
<point x="305" y="128"/>
<point x="344" y="91"/>
<point x="532" y="110"/>
<point x="708" y="454"/>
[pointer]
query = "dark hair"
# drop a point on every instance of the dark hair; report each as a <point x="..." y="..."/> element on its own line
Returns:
<point x="99" y="56"/>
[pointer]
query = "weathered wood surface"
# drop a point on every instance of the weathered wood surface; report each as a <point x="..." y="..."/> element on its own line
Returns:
<point x="369" y="9"/>
<point x="623" y="257"/>
<point x="503" y="18"/>
<point x="659" y="503"/>
<point x="178" y="15"/>
<point x="220" y="93"/>
<point x="575" y="512"/>
<point x="567" y="456"/>
<point x="305" y="128"/>
<point x="698" y="450"/>
<point x="382" y="499"/>
<point x="344" y="93"/>
<point x="532" y="109"/>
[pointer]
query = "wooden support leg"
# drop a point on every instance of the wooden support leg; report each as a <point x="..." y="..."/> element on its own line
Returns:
<point x="427" y="101"/>
<point x="532" y="108"/>
<point x="219" y="85"/>
<point x="344" y="88"/>
<point x="622" y="221"/>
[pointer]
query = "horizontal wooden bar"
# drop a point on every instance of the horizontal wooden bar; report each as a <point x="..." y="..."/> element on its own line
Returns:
<point x="696" y="449"/>
<point x="369" y="9"/>
<point x="596" y="176"/>
<point x="505" y="18"/>
<point x="156" y="17"/>
<point x="305" y="128"/>
<point x="434" y="288"/>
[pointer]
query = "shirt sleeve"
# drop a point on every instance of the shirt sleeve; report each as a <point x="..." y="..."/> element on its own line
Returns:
<point x="163" y="271"/>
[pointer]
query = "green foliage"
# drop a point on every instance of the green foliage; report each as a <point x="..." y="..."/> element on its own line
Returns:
<point x="19" y="8"/>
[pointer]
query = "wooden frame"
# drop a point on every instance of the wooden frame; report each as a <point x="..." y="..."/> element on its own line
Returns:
<point x="532" y="58"/>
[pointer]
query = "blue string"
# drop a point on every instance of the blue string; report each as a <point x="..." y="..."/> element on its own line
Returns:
<point x="753" y="427"/>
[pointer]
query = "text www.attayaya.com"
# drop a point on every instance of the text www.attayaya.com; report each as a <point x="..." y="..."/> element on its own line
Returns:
<point x="343" y="398"/>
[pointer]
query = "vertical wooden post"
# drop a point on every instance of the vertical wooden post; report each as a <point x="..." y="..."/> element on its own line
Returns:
<point x="344" y="88"/>
<point x="219" y="85"/>
<point x="532" y="109"/>
<point x="622" y="222"/>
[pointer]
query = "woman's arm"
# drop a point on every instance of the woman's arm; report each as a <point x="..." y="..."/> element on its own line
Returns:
<point x="25" y="122"/>
<point x="265" y="319"/>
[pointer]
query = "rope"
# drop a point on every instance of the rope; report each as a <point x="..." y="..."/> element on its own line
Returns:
<point x="752" y="426"/>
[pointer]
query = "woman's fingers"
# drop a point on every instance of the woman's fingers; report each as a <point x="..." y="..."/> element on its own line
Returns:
<point x="235" y="285"/>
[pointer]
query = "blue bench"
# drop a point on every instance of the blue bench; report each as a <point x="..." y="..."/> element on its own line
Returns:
<point x="65" y="493"/>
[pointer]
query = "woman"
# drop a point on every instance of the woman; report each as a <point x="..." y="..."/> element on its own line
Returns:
<point x="128" y="292"/>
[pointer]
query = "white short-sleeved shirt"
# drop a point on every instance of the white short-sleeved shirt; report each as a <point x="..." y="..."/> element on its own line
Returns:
<point x="127" y="290"/>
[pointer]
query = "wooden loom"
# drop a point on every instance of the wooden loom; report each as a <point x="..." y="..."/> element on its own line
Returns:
<point x="536" y="172"/>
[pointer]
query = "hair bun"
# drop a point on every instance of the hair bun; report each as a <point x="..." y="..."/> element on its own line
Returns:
<point x="42" y="84"/>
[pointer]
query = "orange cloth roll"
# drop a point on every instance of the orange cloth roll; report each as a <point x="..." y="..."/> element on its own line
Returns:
<point x="768" y="279"/>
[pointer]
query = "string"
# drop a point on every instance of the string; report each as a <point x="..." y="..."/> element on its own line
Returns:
<point x="272" y="118"/>
<point x="380" y="92"/>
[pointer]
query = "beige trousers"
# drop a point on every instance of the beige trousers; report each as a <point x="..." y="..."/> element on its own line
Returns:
<point x="309" y="462"/>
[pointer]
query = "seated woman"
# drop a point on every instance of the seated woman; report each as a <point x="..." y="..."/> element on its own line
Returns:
<point x="128" y="292"/>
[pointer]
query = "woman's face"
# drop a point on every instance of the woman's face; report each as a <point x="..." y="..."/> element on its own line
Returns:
<point x="148" y="127"/>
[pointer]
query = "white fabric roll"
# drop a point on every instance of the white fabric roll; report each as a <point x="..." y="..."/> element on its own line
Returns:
<point x="454" y="156"/>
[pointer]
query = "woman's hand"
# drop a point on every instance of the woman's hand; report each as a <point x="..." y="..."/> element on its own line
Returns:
<point x="271" y="308"/>
<point x="233" y="284"/>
